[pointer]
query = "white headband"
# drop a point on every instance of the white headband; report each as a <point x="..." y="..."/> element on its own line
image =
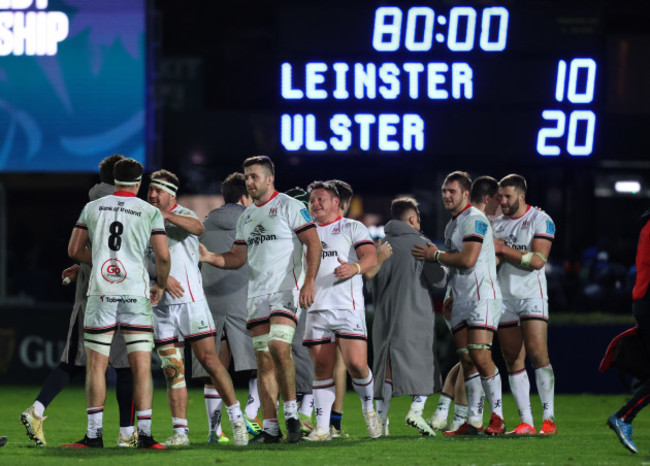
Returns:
<point x="129" y="183"/>
<point x="171" y="188"/>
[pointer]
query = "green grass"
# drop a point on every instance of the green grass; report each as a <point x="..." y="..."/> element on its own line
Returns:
<point x="583" y="437"/>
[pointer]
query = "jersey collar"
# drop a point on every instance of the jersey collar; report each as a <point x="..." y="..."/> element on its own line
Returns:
<point x="333" y="221"/>
<point x="124" y="194"/>
<point x="275" y="193"/>
<point x="527" y="209"/>
<point x="466" y="207"/>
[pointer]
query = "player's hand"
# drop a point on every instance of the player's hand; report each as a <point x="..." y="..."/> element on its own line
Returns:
<point x="499" y="245"/>
<point x="307" y="293"/>
<point x="203" y="253"/>
<point x="155" y="293"/>
<point x="446" y="307"/>
<point x="174" y="287"/>
<point x="424" y="253"/>
<point x="345" y="270"/>
<point x="384" y="251"/>
<point x="70" y="275"/>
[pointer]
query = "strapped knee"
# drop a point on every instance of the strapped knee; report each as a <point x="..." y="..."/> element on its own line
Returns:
<point x="138" y="342"/>
<point x="282" y="333"/>
<point x="479" y="346"/>
<point x="261" y="342"/>
<point x="99" y="342"/>
<point x="173" y="367"/>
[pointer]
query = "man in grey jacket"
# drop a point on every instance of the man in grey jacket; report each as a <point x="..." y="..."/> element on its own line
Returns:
<point x="403" y="327"/>
<point x="226" y="292"/>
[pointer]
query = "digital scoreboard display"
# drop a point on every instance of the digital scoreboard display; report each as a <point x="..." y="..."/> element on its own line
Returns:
<point x="440" y="78"/>
<point x="72" y="83"/>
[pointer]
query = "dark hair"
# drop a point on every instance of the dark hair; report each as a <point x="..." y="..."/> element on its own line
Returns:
<point x="106" y="168"/>
<point x="401" y="206"/>
<point x="263" y="160"/>
<point x="127" y="170"/>
<point x="326" y="185"/>
<point x="166" y="175"/>
<point x="299" y="194"/>
<point x="344" y="189"/>
<point x="233" y="188"/>
<point x="517" y="181"/>
<point x="463" y="179"/>
<point x="483" y="186"/>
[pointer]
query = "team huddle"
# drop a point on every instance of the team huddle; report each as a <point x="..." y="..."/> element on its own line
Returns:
<point x="289" y="273"/>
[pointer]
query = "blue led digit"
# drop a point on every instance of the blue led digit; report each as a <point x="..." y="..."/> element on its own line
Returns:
<point x="502" y="15"/>
<point x="585" y="149"/>
<point x="386" y="34"/>
<point x="455" y="43"/>
<point x="364" y="120"/>
<point x="365" y="81"/>
<point x="291" y="130"/>
<point x="543" y="148"/>
<point x="410" y="37"/>
<point x="388" y="73"/>
<point x="288" y="92"/>
<point x="315" y="75"/>
<point x="578" y="66"/>
<point x="311" y="141"/>
<point x="412" y="132"/>
<point x="387" y="127"/>
<point x="560" y="81"/>
<point x="340" y="125"/>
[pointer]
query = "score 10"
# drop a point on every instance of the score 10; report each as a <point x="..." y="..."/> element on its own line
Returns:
<point x="581" y="124"/>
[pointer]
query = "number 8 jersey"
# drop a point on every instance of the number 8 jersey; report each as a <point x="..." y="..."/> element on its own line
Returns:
<point x="119" y="227"/>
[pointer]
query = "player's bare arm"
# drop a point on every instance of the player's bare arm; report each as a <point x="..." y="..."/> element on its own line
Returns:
<point x="367" y="260"/>
<point x="313" y="256"/>
<point x="384" y="251"/>
<point x="163" y="260"/>
<point x="77" y="249"/>
<point x="540" y="249"/>
<point x="465" y="259"/>
<point x="190" y="224"/>
<point x="232" y="259"/>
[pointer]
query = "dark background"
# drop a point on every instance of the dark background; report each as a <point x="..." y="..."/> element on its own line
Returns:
<point x="214" y="88"/>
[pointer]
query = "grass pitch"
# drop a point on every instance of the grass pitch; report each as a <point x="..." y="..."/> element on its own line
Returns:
<point x="583" y="437"/>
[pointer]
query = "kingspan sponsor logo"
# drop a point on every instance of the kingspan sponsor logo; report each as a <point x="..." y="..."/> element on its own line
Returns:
<point x="511" y="241"/>
<point x="327" y="253"/>
<point x="259" y="235"/>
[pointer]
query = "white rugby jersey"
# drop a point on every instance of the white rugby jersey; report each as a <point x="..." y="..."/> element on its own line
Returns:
<point x="340" y="239"/>
<point x="479" y="282"/>
<point x="519" y="233"/>
<point x="120" y="227"/>
<point x="184" y="254"/>
<point x="275" y="255"/>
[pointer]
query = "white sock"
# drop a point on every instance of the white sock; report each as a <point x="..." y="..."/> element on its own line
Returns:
<point x="307" y="404"/>
<point x="213" y="406"/>
<point x="127" y="431"/>
<point x="144" y="422"/>
<point x="95" y="421"/>
<point x="253" y="403"/>
<point x="180" y="426"/>
<point x="417" y="405"/>
<point x="271" y="426"/>
<point x="324" y="395"/>
<point x="520" y="388"/>
<point x="475" y="399"/>
<point x="545" y="381"/>
<point x="234" y="413"/>
<point x="492" y="388"/>
<point x="460" y="414"/>
<point x="364" y="388"/>
<point x="291" y="409"/>
<point x="39" y="408"/>
<point x="383" y="406"/>
<point x="442" y="410"/>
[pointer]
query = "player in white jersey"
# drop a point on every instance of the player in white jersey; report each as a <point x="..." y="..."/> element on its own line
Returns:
<point x="476" y="299"/>
<point x="183" y="314"/>
<point x="484" y="195"/>
<point x="270" y="235"/>
<point x="337" y="316"/>
<point x="524" y="236"/>
<point x="120" y="228"/>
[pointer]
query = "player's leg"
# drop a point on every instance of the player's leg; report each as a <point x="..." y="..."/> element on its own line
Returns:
<point x="355" y="355"/>
<point x="340" y="385"/>
<point x="535" y="341"/>
<point x="173" y="366"/>
<point x="511" y="341"/>
<point x="323" y="356"/>
<point x="461" y="406"/>
<point x="440" y="415"/>
<point x="213" y="401"/>
<point x="206" y="352"/>
<point x="383" y="405"/>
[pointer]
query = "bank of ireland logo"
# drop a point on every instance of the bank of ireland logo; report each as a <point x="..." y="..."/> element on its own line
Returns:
<point x="113" y="271"/>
